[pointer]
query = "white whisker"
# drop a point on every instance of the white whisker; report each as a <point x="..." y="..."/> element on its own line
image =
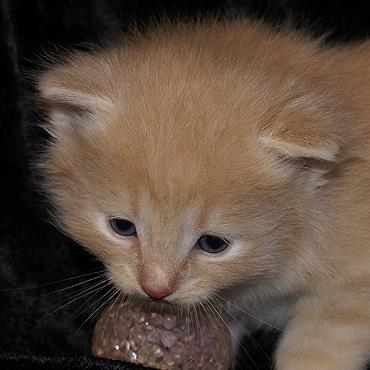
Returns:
<point x="247" y="313"/>
<point x="87" y="304"/>
<point x="217" y="329"/>
<point x="51" y="282"/>
<point x="75" y="299"/>
<point x="256" y="344"/>
<point x="81" y="292"/>
<point x="74" y="285"/>
<point x="235" y="337"/>
<point x="102" y="305"/>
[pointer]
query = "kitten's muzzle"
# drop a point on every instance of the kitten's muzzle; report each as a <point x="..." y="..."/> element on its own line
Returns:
<point x="158" y="282"/>
<point x="157" y="294"/>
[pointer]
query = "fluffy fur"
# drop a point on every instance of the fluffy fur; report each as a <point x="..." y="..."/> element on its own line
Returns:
<point x="233" y="129"/>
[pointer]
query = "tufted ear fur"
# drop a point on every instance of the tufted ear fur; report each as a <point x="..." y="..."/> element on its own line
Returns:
<point x="70" y="105"/>
<point x="321" y="150"/>
<point x="309" y="139"/>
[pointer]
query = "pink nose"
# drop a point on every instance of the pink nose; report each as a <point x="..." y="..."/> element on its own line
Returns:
<point x="158" y="293"/>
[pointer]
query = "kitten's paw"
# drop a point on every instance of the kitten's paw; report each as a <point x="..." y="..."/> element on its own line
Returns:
<point x="315" y="360"/>
<point x="327" y="333"/>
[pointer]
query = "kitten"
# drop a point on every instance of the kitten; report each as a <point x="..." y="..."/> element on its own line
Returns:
<point x="224" y="161"/>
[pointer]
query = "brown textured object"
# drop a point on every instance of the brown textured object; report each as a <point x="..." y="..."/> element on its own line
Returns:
<point x="162" y="340"/>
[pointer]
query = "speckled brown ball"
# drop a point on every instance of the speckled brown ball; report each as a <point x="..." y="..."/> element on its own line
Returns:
<point x="163" y="340"/>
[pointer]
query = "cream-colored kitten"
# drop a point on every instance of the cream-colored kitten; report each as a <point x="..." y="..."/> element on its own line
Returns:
<point x="224" y="161"/>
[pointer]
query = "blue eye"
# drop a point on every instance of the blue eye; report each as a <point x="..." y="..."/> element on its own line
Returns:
<point x="122" y="227"/>
<point x="212" y="244"/>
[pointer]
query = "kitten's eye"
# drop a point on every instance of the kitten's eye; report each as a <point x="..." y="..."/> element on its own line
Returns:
<point x="212" y="244"/>
<point x="122" y="227"/>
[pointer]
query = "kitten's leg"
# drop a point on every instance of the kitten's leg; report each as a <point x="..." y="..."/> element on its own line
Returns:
<point x="328" y="333"/>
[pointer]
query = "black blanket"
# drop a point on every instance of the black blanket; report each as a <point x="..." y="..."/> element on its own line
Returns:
<point x="45" y="319"/>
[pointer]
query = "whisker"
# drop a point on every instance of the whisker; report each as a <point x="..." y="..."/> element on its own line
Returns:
<point x="101" y="306"/>
<point x="75" y="299"/>
<point x="247" y="313"/>
<point x="235" y="336"/>
<point x="118" y="308"/>
<point x="199" y="319"/>
<point x="51" y="282"/>
<point x="82" y="292"/>
<point x="196" y="319"/>
<point x="125" y="301"/>
<point x="259" y="348"/>
<point x="217" y="329"/>
<point x="187" y="320"/>
<point x="73" y="286"/>
<point x="212" y="309"/>
<point x="215" y="315"/>
<point x="87" y="304"/>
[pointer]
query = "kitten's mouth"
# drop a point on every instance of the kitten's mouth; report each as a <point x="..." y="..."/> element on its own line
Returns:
<point x="160" y="305"/>
<point x="159" y="302"/>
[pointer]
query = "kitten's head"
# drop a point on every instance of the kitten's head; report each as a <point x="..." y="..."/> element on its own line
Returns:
<point x="184" y="173"/>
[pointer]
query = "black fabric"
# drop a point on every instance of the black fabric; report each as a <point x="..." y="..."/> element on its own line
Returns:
<point x="43" y="322"/>
<point x="20" y="362"/>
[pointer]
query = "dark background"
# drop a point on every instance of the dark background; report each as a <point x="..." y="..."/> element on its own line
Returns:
<point x="41" y="327"/>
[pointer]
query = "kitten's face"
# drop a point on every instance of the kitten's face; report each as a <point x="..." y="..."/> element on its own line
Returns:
<point x="174" y="196"/>
<point x="186" y="158"/>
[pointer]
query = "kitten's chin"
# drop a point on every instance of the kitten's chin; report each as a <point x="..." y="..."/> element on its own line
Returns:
<point x="170" y="303"/>
<point x="179" y="298"/>
<point x="147" y="303"/>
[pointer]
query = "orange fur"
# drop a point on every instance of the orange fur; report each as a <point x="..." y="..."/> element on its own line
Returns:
<point x="235" y="129"/>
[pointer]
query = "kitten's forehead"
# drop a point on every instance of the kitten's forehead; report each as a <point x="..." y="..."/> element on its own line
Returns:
<point x="175" y="173"/>
<point x="150" y="208"/>
<point x="164" y="215"/>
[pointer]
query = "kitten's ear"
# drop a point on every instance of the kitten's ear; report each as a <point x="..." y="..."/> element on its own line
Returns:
<point x="310" y="143"/>
<point x="307" y="128"/>
<point x="69" y="106"/>
<point x="320" y="150"/>
<point x="319" y="160"/>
